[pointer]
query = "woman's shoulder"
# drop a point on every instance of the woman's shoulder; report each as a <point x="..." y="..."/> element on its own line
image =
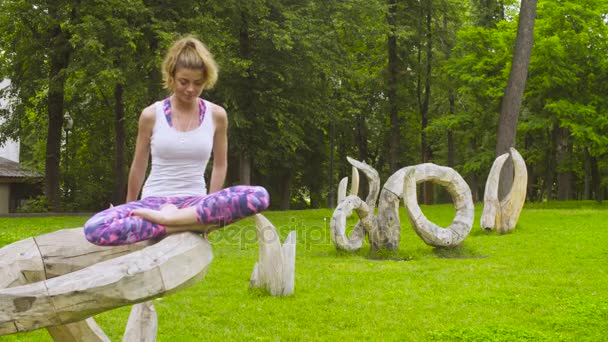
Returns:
<point x="218" y="112"/>
<point x="148" y="114"/>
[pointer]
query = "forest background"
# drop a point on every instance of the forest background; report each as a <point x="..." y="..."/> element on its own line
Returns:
<point x="306" y="83"/>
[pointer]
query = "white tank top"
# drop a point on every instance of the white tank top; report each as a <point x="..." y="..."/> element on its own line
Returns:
<point x="179" y="158"/>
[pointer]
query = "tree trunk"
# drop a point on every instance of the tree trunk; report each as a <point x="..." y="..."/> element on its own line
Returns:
<point x="120" y="167"/>
<point x="284" y="189"/>
<point x="451" y="145"/>
<point x="550" y="165"/>
<point x="59" y="54"/>
<point x="490" y="12"/>
<point x="565" y="177"/>
<point x="427" y="153"/>
<point x="511" y="102"/>
<point x="155" y="81"/>
<point x="331" y="198"/>
<point x="473" y="177"/>
<point x="361" y="137"/>
<point x="595" y="179"/>
<point x="393" y="110"/>
<point x="246" y="104"/>
<point x="587" y="194"/>
<point x="244" y="169"/>
<point x="451" y="101"/>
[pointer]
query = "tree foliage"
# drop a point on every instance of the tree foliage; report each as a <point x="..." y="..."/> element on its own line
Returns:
<point x="307" y="83"/>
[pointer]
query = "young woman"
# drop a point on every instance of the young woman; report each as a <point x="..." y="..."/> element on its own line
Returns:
<point x="181" y="133"/>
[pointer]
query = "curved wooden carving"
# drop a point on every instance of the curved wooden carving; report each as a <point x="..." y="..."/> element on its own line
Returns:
<point x="54" y="254"/>
<point x="176" y="262"/>
<point x="384" y="229"/>
<point x="275" y="271"/>
<point x="354" y="186"/>
<point x="431" y="233"/>
<point x="373" y="180"/>
<point x="338" y="224"/>
<point x="503" y="215"/>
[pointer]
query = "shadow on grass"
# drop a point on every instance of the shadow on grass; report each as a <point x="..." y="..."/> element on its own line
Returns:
<point x="458" y="252"/>
<point x="383" y="254"/>
<point x="367" y="253"/>
<point x="488" y="232"/>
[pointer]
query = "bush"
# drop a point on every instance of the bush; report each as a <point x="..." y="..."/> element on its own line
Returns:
<point x="38" y="204"/>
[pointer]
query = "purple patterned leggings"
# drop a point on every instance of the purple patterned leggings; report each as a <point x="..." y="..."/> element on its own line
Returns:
<point x="116" y="225"/>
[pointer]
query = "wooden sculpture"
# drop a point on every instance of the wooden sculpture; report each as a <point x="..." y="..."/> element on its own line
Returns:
<point x="354" y="185"/>
<point x="160" y="269"/>
<point x="59" y="280"/>
<point x="430" y="233"/>
<point x="384" y="229"/>
<point x="275" y="270"/>
<point x="54" y="254"/>
<point x="503" y="215"/>
<point x="96" y="279"/>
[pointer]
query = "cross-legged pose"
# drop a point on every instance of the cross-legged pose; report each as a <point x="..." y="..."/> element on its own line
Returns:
<point x="180" y="133"/>
<point x="155" y="217"/>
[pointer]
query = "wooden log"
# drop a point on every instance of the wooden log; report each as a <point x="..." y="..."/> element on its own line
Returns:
<point x="82" y="331"/>
<point x="143" y="323"/>
<point x="338" y="224"/>
<point x="177" y="261"/>
<point x="20" y="263"/>
<point x="67" y="250"/>
<point x="275" y="270"/>
<point x="503" y="215"/>
<point x="431" y="233"/>
<point x="23" y="262"/>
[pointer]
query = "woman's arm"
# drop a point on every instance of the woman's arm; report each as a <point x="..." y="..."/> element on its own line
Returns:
<point x="220" y="149"/>
<point x="142" y="153"/>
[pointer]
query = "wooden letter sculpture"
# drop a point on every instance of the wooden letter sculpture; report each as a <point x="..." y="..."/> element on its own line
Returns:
<point x="275" y="271"/>
<point x="502" y="215"/>
<point x="430" y="233"/>
<point x="384" y="229"/>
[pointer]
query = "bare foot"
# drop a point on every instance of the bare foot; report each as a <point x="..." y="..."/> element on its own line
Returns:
<point x="157" y="216"/>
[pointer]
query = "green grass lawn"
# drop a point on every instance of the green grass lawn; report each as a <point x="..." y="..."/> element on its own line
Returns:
<point x="546" y="281"/>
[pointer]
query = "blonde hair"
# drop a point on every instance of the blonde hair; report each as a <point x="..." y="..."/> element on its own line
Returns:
<point x="189" y="53"/>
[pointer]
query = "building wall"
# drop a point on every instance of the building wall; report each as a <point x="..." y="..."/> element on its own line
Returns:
<point x="5" y="195"/>
<point x="10" y="150"/>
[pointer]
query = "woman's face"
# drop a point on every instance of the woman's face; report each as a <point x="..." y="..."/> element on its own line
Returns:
<point x="188" y="84"/>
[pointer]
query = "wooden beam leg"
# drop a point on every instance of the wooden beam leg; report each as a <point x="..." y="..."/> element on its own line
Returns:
<point x="143" y="323"/>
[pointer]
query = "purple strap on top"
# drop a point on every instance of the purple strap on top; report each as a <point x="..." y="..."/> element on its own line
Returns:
<point x="167" y="110"/>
